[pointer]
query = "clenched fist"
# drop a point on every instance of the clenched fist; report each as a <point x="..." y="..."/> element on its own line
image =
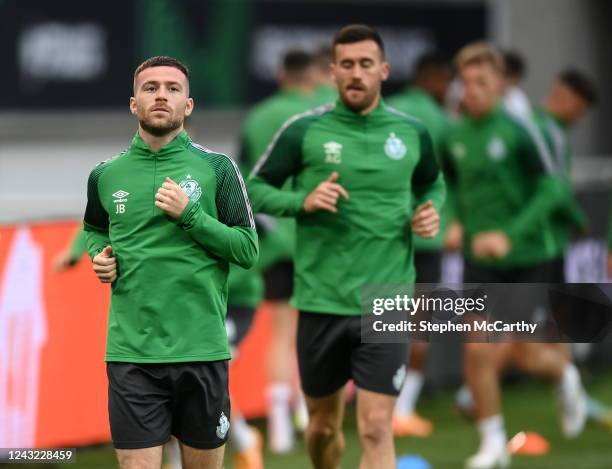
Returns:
<point x="426" y="220"/>
<point x="491" y="244"/>
<point x="171" y="198"/>
<point x="105" y="265"/>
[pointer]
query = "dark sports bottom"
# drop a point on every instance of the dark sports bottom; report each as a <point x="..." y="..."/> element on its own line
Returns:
<point x="330" y="352"/>
<point x="278" y="281"/>
<point x="149" y="402"/>
<point x="428" y="266"/>
<point x="545" y="272"/>
<point x="525" y="303"/>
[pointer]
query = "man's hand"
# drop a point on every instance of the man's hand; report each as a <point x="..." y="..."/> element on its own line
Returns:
<point x="491" y="244"/>
<point x="325" y="196"/>
<point x="171" y="198"/>
<point x="453" y="240"/>
<point x="426" y="220"/>
<point x="610" y="265"/>
<point x="105" y="265"/>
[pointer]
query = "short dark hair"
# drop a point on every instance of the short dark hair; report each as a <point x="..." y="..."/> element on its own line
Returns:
<point x="514" y="64"/>
<point x="357" y="33"/>
<point x="580" y="84"/>
<point x="162" y="61"/>
<point x="297" y="61"/>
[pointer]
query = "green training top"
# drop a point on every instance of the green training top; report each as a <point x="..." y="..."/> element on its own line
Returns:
<point x="260" y="125"/>
<point x="386" y="163"/>
<point x="503" y="179"/>
<point x="168" y="303"/>
<point x="420" y="104"/>
<point x="568" y="217"/>
<point x="259" y="128"/>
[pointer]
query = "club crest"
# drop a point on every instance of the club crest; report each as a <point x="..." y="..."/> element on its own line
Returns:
<point x="192" y="188"/>
<point x="394" y="147"/>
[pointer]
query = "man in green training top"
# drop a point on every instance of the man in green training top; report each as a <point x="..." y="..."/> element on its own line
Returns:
<point x="365" y="178"/>
<point x="569" y="99"/>
<point x="165" y="219"/>
<point x="505" y="187"/>
<point x="423" y="100"/>
<point x="296" y="94"/>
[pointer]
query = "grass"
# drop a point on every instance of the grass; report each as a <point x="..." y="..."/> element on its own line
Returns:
<point x="528" y="405"/>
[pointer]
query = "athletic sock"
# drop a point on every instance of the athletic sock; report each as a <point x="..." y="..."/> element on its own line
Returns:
<point x="279" y="417"/>
<point x="492" y="433"/>
<point x="411" y="390"/>
<point x="570" y="380"/>
<point x="240" y="435"/>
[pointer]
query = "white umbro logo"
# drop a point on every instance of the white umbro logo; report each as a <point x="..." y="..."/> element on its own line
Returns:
<point x="120" y="200"/>
<point x="333" y="152"/>
<point x="121" y="194"/>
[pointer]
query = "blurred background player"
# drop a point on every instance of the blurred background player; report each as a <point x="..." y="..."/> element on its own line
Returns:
<point x="336" y="197"/>
<point x="297" y="85"/>
<point x="568" y="100"/>
<point x="505" y="190"/>
<point x="326" y="90"/>
<point x="423" y="99"/>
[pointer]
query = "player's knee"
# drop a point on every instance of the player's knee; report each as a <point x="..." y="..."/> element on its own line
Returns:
<point x="375" y="427"/>
<point x="322" y="430"/>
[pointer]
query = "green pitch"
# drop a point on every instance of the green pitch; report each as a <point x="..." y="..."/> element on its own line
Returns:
<point x="528" y="405"/>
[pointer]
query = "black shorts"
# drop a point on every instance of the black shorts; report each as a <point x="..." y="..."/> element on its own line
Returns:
<point x="237" y="323"/>
<point x="525" y="304"/>
<point x="330" y="352"/>
<point x="147" y="403"/>
<point x="545" y="272"/>
<point x="428" y="266"/>
<point x="278" y="281"/>
<point x="558" y="270"/>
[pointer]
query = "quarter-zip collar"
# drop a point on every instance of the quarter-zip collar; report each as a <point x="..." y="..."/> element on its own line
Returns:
<point x="178" y="144"/>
